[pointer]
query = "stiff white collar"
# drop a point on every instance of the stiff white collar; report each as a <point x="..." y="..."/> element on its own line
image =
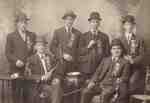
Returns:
<point x="41" y="55"/>
<point x="128" y="35"/>
<point x="94" y="31"/>
<point x="68" y="29"/>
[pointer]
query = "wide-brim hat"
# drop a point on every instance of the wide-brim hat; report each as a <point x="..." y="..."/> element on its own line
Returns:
<point x="94" y="15"/>
<point x="41" y="39"/>
<point x="128" y="18"/>
<point x="21" y="17"/>
<point x="69" y="13"/>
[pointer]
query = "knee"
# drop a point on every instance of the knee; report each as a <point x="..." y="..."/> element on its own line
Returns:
<point x="85" y="91"/>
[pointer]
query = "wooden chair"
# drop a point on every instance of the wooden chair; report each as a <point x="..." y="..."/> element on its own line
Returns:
<point x="145" y="98"/>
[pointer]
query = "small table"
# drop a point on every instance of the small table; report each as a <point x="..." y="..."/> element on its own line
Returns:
<point x="142" y="97"/>
<point x="72" y="87"/>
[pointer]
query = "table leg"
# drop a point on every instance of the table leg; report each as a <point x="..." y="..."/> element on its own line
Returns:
<point x="2" y="92"/>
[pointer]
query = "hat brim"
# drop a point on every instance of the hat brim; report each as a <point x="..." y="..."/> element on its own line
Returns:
<point x="17" y="20"/>
<point x="73" y="16"/>
<point x="133" y="22"/>
<point x="94" y="18"/>
<point x="43" y="42"/>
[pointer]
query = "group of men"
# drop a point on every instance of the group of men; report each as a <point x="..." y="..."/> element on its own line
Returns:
<point x="113" y="70"/>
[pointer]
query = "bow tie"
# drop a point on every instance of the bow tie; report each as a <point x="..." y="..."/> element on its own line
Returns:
<point x="42" y="56"/>
<point x="115" y="59"/>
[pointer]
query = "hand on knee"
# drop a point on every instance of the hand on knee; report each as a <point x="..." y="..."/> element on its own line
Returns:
<point x="55" y="81"/>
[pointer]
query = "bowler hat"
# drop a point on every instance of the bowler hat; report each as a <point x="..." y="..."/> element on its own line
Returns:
<point x="117" y="42"/>
<point x="94" y="15"/>
<point x="128" y="18"/>
<point x="41" y="39"/>
<point x="21" y="17"/>
<point x="69" y="13"/>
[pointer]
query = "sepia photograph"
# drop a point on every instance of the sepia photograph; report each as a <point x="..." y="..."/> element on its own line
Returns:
<point x="74" y="51"/>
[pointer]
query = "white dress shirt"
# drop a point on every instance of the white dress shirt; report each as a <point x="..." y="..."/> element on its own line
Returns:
<point x="68" y="29"/>
<point x="94" y="31"/>
<point x="128" y="36"/>
<point x="23" y="35"/>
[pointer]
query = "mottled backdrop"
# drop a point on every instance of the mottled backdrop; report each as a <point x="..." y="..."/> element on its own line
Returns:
<point x="46" y="16"/>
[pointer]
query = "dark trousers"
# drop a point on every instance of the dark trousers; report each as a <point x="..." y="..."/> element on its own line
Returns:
<point x="52" y="93"/>
<point x="107" y="94"/>
<point x="20" y="91"/>
<point x="88" y="94"/>
<point x="137" y="81"/>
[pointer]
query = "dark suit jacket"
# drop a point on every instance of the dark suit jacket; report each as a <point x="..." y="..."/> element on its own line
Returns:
<point x="59" y="45"/>
<point x="91" y="58"/>
<point x="35" y="65"/>
<point x="141" y="48"/>
<point x="137" y="69"/>
<point x="16" y="48"/>
<point x="103" y="74"/>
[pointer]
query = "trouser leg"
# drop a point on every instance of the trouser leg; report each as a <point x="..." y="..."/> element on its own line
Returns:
<point x="16" y="90"/>
<point x="88" y="94"/>
<point x="57" y="93"/>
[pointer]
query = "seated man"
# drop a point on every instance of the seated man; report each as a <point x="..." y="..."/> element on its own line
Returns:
<point x="44" y="65"/>
<point x="110" y="79"/>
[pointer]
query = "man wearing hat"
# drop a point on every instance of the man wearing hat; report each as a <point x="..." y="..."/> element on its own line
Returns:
<point x="65" y="47"/>
<point x="44" y="65"/>
<point x="19" y="46"/>
<point x="94" y="46"/>
<point x="111" y="77"/>
<point x="135" y="49"/>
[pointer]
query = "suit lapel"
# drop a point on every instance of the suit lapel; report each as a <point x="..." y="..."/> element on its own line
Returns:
<point x="40" y="64"/>
<point x="125" y="42"/>
<point x="19" y="36"/>
<point x="20" y="39"/>
<point x="107" y="65"/>
<point x="64" y="36"/>
<point x="121" y="63"/>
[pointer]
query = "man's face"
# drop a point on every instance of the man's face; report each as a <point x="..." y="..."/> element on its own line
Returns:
<point x="128" y="26"/>
<point x="40" y="48"/>
<point x="22" y="25"/>
<point x="69" y="21"/>
<point x="116" y="51"/>
<point x="94" y="24"/>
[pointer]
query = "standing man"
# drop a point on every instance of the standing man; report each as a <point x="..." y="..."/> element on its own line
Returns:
<point x="19" y="46"/>
<point x="111" y="78"/>
<point x="94" y="46"/>
<point x="64" y="46"/>
<point x="135" y="50"/>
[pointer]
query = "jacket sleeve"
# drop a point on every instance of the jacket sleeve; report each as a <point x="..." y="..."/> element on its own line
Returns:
<point x="107" y="46"/>
<point x="82" y="45"/>
<point x="30" y="65"/>
<point x="96" y="75"/>
<point x="140" y="57"/>
<point x="54" y="45"/>
<point x="126" y="72"/>
<point x="9" y="49"/>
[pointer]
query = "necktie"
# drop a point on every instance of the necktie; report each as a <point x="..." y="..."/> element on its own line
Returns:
<point x="115" y="59"/>
<point x="43" y="59"/>
<point x="94" y="35"/>
<point x="71" y="37"/>
<point x="130" y="37"/>
<point x="116" y="69"/>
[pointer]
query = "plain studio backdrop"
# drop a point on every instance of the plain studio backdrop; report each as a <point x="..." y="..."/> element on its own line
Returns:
<point x="46" y="16"/>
